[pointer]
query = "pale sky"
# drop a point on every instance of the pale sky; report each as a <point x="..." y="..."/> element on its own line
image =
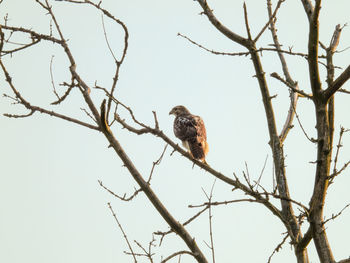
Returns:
<point x="52" y="207"/>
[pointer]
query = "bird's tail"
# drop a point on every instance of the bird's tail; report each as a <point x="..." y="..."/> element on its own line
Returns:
<point x="198" y="149"/>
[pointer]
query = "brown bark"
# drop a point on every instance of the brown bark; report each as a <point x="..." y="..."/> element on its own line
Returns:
<point x="177" y="227"/>
<point x="275" y="143"/>
<point x="323" y="144"/>
<point x="321" y="184"/>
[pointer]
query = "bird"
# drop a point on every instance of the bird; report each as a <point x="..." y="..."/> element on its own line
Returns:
<point x="190" y="129"/>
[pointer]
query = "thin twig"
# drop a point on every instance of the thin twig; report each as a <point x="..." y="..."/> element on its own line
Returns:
<point x="106" y="38"/>
<point x="262" y="171"/>
<point x="123" y="232"/>
<point x="292" y="87"/>
<point x="206" y="204"/>
<point x="331" y="177"/>
<point x="209" y="197"/>
<point x="302" y="128"/>
<point x="33" y="108"/>
<point x="279" y="246"/>
<point x="126" y="39"/>
<point x="157" y="162"/>
<point x="246" y="21"/>
<point x="65" y="95"/>
<point x="148" y="253"/>
<point x="213" y="51"/>
<point x="52" y="80"/>
<point x="123" y="198"/>
<point x="339" y="145"/>
<point x="163" y="234"/>
<point x="259" y="50"/>
<point x="344" y="91"/>
<point x="336" y="215"/>
<point x="271" y="18"/>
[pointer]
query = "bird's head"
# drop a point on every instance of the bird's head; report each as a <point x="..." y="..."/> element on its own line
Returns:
<point x="178" y="110"/>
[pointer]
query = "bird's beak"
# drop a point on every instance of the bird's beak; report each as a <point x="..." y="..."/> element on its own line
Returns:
<point x="171" y="112"/>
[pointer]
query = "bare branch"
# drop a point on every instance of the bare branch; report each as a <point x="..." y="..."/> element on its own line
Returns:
<point x="337" y="83"/>
<point x="33" y="108"/>
<point x="177" y="254"/>
<point x="308" y="7"/>
<point x="65" y="95"/>
<point x="19" y="116"/>
<point x="334" y="85"/>
<point x="188" y="221"/>
<point x="288" y="52"/>
<point x="303" y="243"/>
<point x="224" y="30"/>
<point x="344" y="91"/>
<point x="148" y="253"/>
<point x="275" y="143"/>
<point x="36" y="37"/>
<point x="331" y="177"/>
<point x="313" y="50"/>
<point x="213" y="51"/>
<point x="293" y="88"/>
<point x="257" y="183"/>
<point x="206" y="204"/>
<point x="123" y="198"/>
<point x="344" y="260"/>
<point x="156" y="123"/>
<point x="335" y="38"/>
<point x="236" y="183"/>
<point x="52" y="81"/>
<point x="9" y="52"/>
<point x="123" y="232"/>
<point x="157" y="162"/>
<point x="287" y="199"/>
<point x="106" y="38"/>
<point x="336" y="215"/>
<point x="279" y="246"/>
<point x="172" y="222"/>
<point x="209" y="197"/>
<point x="246" y="21"/>
<point x="126" y="38"/>
<point x="84" y="88"/>
<point x="291" y="83"/>
<point x="88" y="114"/>
<point x="339" y="145"/>
<point x="271" y="18"/>
<point x="302" y="93"/>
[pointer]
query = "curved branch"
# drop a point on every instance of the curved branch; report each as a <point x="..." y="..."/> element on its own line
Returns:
<point x="177" y="254"/>
<point x="223" y="29"/>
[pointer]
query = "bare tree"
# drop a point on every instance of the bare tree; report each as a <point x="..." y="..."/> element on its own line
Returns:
<point x="105" y="117"/>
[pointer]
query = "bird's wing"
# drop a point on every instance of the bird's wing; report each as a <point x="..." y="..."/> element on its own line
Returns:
<point x="201" y="133"/>
<point x="185" y="127"/>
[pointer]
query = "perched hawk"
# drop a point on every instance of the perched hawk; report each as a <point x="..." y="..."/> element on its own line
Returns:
<point x="190" y="130"/>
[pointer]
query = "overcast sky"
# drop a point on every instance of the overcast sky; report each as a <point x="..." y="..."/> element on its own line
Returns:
<point x="52" y="207"/>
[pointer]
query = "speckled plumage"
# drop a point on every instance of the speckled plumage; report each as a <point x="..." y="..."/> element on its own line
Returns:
<point x="190" y="129"/>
